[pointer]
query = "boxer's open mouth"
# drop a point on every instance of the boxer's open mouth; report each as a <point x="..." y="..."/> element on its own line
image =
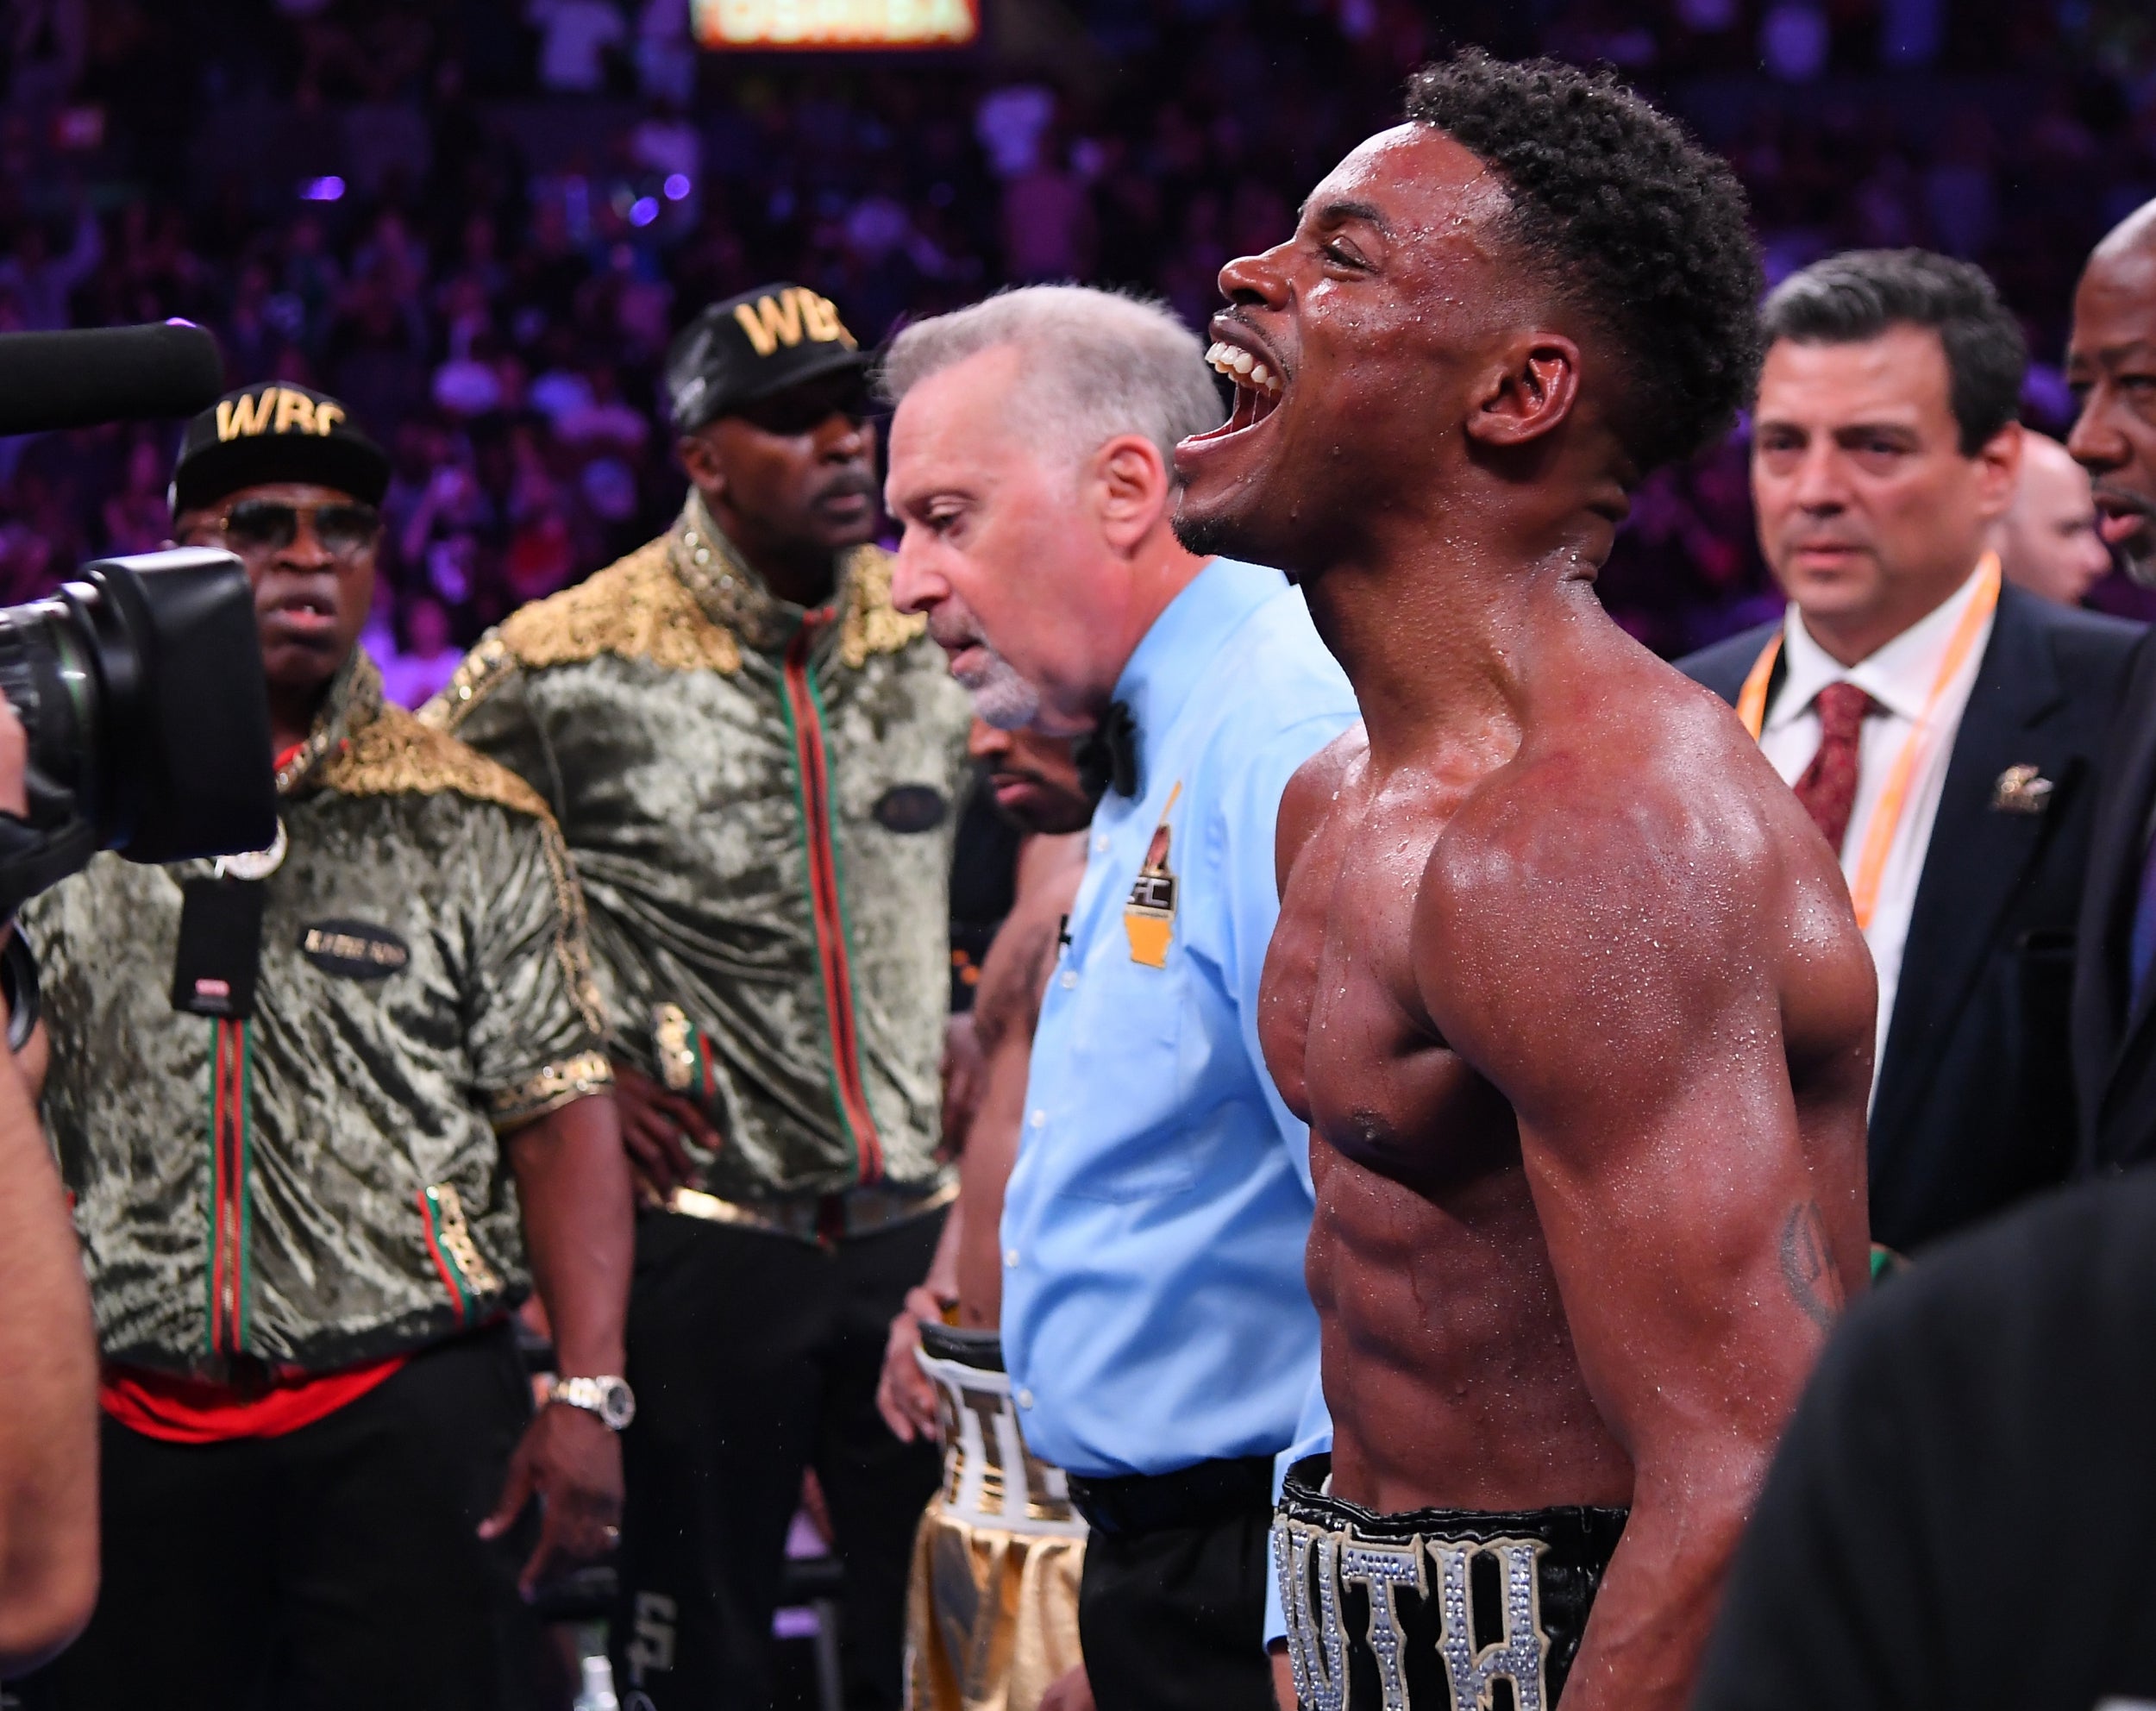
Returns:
<point x="1259" y="384"/>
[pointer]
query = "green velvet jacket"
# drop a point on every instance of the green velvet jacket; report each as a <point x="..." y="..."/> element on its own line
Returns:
<point x="761" y="802"/>
<point x="322" y="1183"/>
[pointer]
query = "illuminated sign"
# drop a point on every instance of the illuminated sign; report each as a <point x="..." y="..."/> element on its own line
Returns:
<point x="836" y="23"/>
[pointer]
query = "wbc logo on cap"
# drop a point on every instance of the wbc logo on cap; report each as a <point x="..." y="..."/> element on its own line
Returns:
<point x="795" y="314"/>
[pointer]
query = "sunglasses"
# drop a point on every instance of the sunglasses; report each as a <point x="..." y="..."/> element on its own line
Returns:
<point x="345" y="527"/>
<point x="803" y="409"/>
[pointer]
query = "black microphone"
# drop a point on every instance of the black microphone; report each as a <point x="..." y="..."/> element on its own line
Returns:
<point x="50" y="380"/>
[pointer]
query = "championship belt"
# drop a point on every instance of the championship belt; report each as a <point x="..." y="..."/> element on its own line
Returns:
<point x="990" y="1478"/>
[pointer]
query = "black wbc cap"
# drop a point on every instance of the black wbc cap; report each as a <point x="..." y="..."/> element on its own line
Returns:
<point x="751" y="347"/>
<point x="279" y="432"/>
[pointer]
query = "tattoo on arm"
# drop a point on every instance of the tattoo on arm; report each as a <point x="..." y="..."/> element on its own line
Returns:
<point x="1808" y="1266"/>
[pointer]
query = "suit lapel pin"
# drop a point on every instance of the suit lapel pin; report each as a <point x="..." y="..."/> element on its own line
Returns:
<point x="2021" y="790"/>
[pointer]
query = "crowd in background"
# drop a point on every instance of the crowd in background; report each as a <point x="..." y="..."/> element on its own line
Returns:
<point x="480" y="222"/>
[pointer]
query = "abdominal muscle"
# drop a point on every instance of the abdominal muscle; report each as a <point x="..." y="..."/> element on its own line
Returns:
<point x="1449" y="1367"/>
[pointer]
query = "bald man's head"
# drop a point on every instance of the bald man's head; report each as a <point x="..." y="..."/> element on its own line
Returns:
<point x="2133" y="238"/>
<point x="2047" y="539"/>
<point x="2111" y="365"/>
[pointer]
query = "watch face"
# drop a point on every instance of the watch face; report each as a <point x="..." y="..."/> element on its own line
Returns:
<point x="616" y="1404"/>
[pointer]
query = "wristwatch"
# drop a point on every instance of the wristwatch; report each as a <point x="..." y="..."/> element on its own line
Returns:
<point x="607" y="1396"/>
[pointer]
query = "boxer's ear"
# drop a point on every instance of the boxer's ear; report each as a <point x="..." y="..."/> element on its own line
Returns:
<point x="1527" y="392"/>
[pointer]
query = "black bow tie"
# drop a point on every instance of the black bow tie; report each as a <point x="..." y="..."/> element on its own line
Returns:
<point x="1108" y="759"/>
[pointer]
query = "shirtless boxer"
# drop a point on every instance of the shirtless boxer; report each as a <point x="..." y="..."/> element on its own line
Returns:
<point x="969" y="1646"/>
<point x="1564" y="980"/>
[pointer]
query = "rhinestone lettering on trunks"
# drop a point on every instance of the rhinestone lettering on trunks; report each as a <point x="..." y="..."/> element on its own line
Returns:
<point x="1517" y="1655"/>
<point x="1313" y="1563"/>
<point x="1317" y="1645"/>
<point x="1379" y="1568"/>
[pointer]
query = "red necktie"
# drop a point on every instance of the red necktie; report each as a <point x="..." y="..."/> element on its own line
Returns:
<point x="1828" y="788"/>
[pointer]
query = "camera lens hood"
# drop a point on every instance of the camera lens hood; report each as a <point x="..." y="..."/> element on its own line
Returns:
<point x="183" y="739"/>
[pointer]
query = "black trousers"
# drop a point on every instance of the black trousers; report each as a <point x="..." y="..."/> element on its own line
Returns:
<point x="1174" y="1620"/>
<point x="338" y="1566"/>
<point x="753" y="1356"/>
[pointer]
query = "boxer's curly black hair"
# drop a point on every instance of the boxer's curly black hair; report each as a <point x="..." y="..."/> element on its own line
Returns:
<point x="1635" y="224"/>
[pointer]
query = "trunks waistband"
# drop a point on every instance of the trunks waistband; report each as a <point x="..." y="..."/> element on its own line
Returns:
<point x="823" y="1220"/>
<point x="979" y="1350"/>
<point x="1431" y="1608"/>
<point x="990" y="1478"/>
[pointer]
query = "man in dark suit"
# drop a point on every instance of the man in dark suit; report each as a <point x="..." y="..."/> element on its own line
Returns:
<point x="2111" y="363"/>
<point x="1943" y="730"/>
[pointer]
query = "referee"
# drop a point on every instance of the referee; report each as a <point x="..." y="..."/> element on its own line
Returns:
<point x="1155" y="1328"/>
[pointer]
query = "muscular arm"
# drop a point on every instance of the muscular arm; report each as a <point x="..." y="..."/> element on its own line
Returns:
<point x="1622" y="969"/>
<point x="573" y="1182"/>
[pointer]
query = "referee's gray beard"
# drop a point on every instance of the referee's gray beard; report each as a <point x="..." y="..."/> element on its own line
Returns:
<point x="1000" y="696"/>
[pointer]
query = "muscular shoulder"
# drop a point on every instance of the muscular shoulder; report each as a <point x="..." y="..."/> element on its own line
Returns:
<point x="1635" y="865"/>
<point x="1648" y="767"/>
<point x="635" y="608"/>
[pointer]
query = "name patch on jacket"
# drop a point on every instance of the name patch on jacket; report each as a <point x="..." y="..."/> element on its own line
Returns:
<point x="356" y="949"/>
<point x="910" y="807"/>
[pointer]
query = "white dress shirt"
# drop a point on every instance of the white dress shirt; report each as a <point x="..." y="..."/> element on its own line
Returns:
<point x="1899" y="678"/>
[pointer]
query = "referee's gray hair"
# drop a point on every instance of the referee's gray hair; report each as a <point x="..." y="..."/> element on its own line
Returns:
<point x="1099" y="364"/>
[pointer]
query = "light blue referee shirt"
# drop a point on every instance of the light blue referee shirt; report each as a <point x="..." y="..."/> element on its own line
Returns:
<point x="1154" y="1310"/>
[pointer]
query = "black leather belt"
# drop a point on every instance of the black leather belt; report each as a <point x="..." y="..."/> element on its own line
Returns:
<point x="1191" y="1496"/>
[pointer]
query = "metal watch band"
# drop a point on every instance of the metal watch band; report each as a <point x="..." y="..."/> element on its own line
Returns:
<point x="607" y="1396"/>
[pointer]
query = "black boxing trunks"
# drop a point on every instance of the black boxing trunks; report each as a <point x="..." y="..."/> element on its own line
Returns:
<point x="1430" y="1611"/>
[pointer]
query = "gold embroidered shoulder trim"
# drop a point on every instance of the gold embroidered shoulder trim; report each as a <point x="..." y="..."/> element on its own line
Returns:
<point x="478" y="674"/>
<point x="553" y="1087"/>
<point x="636" y="608"/>
<point x="394" y="754"/>
<point x="872" y="623"/>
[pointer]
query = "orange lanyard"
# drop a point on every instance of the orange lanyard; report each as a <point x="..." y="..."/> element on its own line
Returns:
<point x="1886" y="817"/>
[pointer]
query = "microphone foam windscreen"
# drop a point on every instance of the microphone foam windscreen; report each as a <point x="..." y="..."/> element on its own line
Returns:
<point x="77" y="379"/>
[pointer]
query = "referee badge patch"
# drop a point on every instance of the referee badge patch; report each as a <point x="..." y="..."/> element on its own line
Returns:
<point x="1149" y="918"/>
